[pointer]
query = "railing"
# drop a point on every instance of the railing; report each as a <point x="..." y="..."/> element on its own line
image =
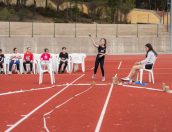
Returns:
<point x="34" y="29"/>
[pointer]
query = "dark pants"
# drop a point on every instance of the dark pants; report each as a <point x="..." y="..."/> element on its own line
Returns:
<point x="17" y="64"/>
<point x="1" y="65"/>
<point x="60" y="65"/>
<point x="28" y="62"/>
<point x="101" y="61"/>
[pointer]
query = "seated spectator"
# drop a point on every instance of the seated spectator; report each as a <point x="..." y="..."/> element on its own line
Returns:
<point x="63" y="60"/>
<point x="28" y="59"/>
<point x="1" y="62"/>
<point x="45" y="57"/>
<point x="147" y="63"/>
<point x="14" y="59"/>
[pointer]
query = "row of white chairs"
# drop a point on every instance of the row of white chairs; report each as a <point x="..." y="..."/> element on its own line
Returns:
<point x="74" y="60"/>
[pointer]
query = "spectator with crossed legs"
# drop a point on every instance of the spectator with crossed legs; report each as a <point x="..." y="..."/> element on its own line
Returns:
<point x="147" y="63"/>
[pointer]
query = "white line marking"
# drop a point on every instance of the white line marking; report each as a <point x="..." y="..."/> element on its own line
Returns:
<point x="9" y="125"/>
<point x="152" y="89"/>
<point x="99" y="123"/>
<point x="103" y="110"/>
<point x="119" y="66"/>
<point x="46" y="88"/>
<point x="45" y="125"/>
<point x="37" y="108"/>
<point x="30" y="90"/>
<point x="58" y="106"/>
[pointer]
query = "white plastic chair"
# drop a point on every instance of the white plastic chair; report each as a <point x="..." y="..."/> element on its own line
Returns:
<point x="42" y="70"/>
<point x="150" y="74"/>
<point x="57" y="62"/>
<point x="36" y="57"/>
<point x="76" y="59"/>
<point x="6" y="63"/>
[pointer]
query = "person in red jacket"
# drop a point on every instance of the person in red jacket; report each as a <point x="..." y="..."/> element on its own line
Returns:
<point x="28" y="59"/>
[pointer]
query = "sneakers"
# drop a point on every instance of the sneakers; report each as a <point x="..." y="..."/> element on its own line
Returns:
<point x="94" y="76"/>
<point x="126" y="79"/>
<point x="103" y="79"/>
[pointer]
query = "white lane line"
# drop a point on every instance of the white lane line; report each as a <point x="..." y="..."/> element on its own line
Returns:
<point x="37" y="108"/>
<point x="104" y="110"/>
<point x="137" y="87"/>
<point x="99" y="123"/>
<point x="119" y="66"/>
<point x="30" y="90"/>
<point x="46" y="88"/>
<point x="58" y="106"/>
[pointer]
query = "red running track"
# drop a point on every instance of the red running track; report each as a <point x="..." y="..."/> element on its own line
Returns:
<point x="128" y="109"/>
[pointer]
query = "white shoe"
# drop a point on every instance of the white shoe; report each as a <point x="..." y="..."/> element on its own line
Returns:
<point x="126" y="79"/>
<point x="9" y="72"/>
<point x="103" y="79"/>
<point x="93" y="76"/>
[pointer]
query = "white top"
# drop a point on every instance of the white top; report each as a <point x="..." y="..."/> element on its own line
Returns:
<point x="150" y="59"/>
<point x="15" y="56"/>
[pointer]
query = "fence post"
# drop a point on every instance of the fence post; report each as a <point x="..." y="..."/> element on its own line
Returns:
<point x="96" y="30"/>
<point x="75" y="29"/>
<point x="9" y="29"/>
<point x="32" y="29"/>
<point x="54" y="29"/>
<point x="137" y="30"/>
<point x="116" y="30"/>
<point x="157" y="30"/>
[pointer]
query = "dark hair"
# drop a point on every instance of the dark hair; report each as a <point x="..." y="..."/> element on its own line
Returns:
<point x="150" y="49"/>
<point x="63" y="48"/>
<point x="14" y="49"/>
<point x="0" y="50"/>
<point x="28" y="48"/>
<point x="45" y="49"/>
<point x="104" y="40"/>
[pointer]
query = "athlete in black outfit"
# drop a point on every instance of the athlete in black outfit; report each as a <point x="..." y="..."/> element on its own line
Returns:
<point x="63" y="60"/>
<point x="1" y="61"/>
<point x="100" y="56"/>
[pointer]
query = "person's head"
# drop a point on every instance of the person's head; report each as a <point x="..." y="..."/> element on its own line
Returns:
<point x="28" y="49"/>
<point x="15" y="50"/>
<point x="103" y="42"/>
<point x="63" y="49"/>
<point x="0" y="51"/>
<point x="46" y="50"/>
<point x="149" y="47"/>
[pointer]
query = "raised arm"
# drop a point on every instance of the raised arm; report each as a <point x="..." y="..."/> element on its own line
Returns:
<point x="93" y="41"/>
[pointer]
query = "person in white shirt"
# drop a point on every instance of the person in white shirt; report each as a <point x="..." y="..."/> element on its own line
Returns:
<point x="147" y="63"/>
<point x="14" y="59"/>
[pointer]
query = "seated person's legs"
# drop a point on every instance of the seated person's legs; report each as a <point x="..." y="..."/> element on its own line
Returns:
<point x="132" y="72"/>
<point x="10" y="66"/>
<point x="31" y="66"/>
<point x="18" y="66"/>
<point x="1" y="68"/>
<point x="60" y="65"/>
<point x="65" y="65"/>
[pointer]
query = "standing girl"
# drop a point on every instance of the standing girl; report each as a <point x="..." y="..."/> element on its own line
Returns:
<point x="101" y="46"/>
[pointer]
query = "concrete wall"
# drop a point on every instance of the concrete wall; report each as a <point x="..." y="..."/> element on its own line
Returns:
<point x="124" y="38"/>
<point x="120" y="45"/>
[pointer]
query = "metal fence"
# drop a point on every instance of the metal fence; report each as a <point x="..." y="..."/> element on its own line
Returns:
<point x="34" y="29"/>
